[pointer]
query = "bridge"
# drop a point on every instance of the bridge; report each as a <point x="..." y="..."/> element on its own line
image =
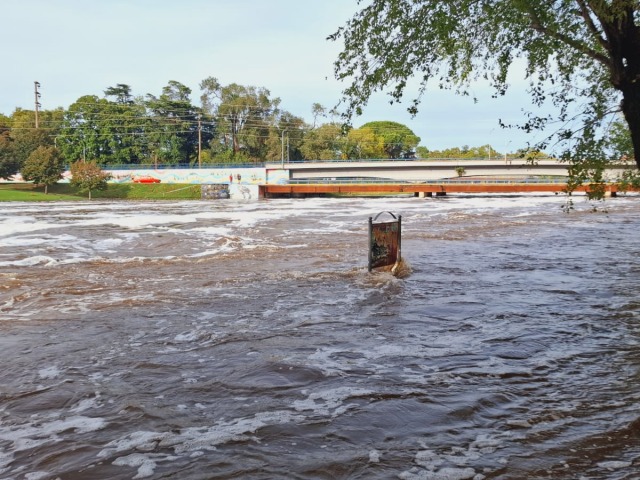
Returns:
<point x="418" y="177"/>
<point x="425" y="178"/>
<point x="428" y="170"/>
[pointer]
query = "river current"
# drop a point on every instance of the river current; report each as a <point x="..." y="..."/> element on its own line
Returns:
<point x="219" y="340"/>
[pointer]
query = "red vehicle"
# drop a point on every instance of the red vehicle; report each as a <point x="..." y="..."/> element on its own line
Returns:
<point x="146" y="179"/>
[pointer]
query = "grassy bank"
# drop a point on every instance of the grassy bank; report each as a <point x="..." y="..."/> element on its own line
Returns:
<point x="10" y="192"/>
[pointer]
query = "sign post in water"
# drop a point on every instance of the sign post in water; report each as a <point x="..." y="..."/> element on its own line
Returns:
<point x="384" y="242"/>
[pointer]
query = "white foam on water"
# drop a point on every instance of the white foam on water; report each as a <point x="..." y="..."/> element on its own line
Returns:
<point x="189" y="441"/>
<point x="332" y="361"/>
<point x="493" y="366"/>
<point x="198" y="438"/>
<point x="321" y="230"/>
<point x="330" y="402"/>
<point x="26" y="437"/>
<point x="612" y="465"/>
<point x="22" y="225"/>
<point x="204" y="316"/>
<point x="187" y="336"/>
<point x="30" y="261"/>
<point x="346" y="214"/>
<point x="36" y="475"/>
<point x="139" y="220"/>
<point x="446" y="473"/>
<point x="86" y="404"/>
<point x="22" y="444"/>
<point x="141" y="441"/>
<point x="7" y="305"/>
<point x="432" y="469"/>
<point x="146" y="463"/>
<point x="107" y="244"/>
<point x="322" y="359"/>
<point x="212" y="232"/>
<point x="238" y="243"/>
<point x="256" y="214"/>
<point x="32" y="241"/>
<point x="453" y="464"/>
<point x="49" y="372"/>
<point x="103" y="214"/>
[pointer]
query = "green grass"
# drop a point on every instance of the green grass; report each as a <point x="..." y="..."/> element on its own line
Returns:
<point x="26" y="192"/>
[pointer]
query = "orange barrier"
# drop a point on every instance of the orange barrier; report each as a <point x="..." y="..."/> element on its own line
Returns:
<point x="419" y="189"/>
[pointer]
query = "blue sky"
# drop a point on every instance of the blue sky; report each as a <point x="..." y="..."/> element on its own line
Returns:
<point x="81" y="47"/>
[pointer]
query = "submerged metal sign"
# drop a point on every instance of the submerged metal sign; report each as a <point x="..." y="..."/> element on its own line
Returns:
<point x="384" y="241"/>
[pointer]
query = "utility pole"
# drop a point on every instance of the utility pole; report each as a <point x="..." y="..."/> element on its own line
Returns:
<point x="37" y="94"/>
<point x="282" y="138"/>
<point x="199" y="143"/>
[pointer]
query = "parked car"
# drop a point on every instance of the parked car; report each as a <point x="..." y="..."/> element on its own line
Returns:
<point x="146" y="179"/>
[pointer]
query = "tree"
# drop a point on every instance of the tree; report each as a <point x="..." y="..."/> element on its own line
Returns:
<point x="26" y="138"/>
<point x="285" y="138"/>
<point x="398" y="140"/>
<point x="9" y="165"/>
<point x="44" y="166"/>
<point x="619" y="140"/>
<point x="88" y="176"/>
<point x="422" y="152"/>
<point x="173" y="128"/>
<point x="121" y="92"/>
<point x="364" y="143"/>
<point x="317" y="110"/>
<point x="123" y="126"/>
<point x="573" y="49"/>
<point x="324" y="143"/>
<point x="244" y="115"/>
<point x="84" y="133"/>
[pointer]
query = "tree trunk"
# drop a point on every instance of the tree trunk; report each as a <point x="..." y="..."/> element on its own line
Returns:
<point x="89" y="194"/>
<point x="236" y="145"/>
<point x="623" y="44"/>
<point x="631" y="111"/>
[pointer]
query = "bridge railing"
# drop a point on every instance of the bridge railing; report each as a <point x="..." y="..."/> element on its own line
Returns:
<point x="444" y="159"/>
<point x="456" y="181"/>
<point x="136" y="166"/>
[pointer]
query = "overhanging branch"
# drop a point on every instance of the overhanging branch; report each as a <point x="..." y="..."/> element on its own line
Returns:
<point x="537" y="25"/>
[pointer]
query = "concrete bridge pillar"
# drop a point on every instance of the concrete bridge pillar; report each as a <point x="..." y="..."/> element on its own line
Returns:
<point x="429" y="194"/>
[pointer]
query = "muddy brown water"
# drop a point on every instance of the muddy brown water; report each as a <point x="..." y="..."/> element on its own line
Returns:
<point x="211" y="340"/>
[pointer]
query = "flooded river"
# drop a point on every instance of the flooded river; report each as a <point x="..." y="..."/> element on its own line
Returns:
<point x="219" y="340"/>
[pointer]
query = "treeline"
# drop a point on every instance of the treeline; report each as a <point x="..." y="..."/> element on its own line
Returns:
<point x="232" y="124"/>
<point x="484" y="151"/>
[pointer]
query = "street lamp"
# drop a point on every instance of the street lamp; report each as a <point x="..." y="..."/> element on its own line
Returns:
<point x="506" y="147"/>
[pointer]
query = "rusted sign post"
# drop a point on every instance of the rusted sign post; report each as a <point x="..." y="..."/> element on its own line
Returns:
<point x="384" y="241"/>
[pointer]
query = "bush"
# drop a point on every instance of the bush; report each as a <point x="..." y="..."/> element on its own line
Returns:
<point x="88" y="176"/>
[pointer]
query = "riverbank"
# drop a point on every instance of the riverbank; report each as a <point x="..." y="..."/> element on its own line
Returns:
<point x="27" y="192"/>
